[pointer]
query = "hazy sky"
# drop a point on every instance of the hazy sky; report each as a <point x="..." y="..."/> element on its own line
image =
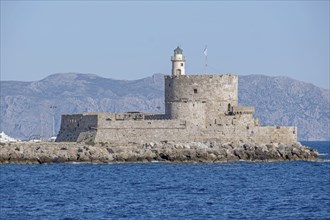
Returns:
<point x="131" y="40"/>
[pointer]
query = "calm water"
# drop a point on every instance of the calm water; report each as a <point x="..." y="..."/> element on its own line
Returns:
<point x="281" y="190"/>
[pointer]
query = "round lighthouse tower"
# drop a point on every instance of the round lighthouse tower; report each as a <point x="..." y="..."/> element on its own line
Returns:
<point x="178" y="63"/>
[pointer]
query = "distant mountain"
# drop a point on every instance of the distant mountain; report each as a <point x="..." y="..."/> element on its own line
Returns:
<point x="285" y="101"/>
<point x="27" y="108"/>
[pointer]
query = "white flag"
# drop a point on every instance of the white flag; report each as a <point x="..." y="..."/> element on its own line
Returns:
<point x="205" y="51"/>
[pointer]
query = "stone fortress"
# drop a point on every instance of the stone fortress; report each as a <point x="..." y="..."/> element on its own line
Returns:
<point x="197" y="108"/>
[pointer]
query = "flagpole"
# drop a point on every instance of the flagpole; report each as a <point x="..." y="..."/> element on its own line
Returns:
<point x="205" y="53"/>
<point x="206" y="64"/>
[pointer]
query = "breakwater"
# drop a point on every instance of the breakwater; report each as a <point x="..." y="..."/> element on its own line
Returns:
<point x="45" y="152"/>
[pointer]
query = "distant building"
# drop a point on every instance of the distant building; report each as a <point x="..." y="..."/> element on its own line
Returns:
<point x="197" y="108"/>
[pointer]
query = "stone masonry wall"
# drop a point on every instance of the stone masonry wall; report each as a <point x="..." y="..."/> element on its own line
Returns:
<point x="216" y="91"/>
<point x="73" y="125"/>
<point x="275" y="134"/>
<point x="140" y="131"/>
<point x="82" y="128"/>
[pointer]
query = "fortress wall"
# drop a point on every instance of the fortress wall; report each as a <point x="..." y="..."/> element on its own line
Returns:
<point x="109" y="116"/>
<point x="276" y="134"/>
<point x="221" y="133"/>
<point x="269" y="134"/>
<point x="239" y="120"/>
<point x="141" y="131"/>
<point x="73" y="125"/>
<point x="167" y="132"/>
<point x="191" y="111"/>
<point x="156" y="117"/>
<point x="218" y="93"/>
<point x="142" y="124"/>
<point x="211" y="88"/>
<point x="139" y="135"/>
<point x="96" y="127"/>
<point x="244" y="120"/>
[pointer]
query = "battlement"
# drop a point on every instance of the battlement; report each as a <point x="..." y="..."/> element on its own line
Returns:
<point x="243" y="109"/>
<point x="197" y="76"/>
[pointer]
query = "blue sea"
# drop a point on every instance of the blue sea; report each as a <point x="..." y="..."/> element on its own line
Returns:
<point x="240" y="190"/>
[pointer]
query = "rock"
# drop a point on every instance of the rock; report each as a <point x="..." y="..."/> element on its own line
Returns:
<point x="212" y="157"/>
<point x="296" y="152"/>
<point x="110" y="150"/>
<point x="164" y="156"/>
<point x="186" y="146"/>
<point x="239" y="152"/>
<point x="46" y="152"/>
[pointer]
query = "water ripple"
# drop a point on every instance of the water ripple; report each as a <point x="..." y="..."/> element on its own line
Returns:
<point x="286" y="190"/>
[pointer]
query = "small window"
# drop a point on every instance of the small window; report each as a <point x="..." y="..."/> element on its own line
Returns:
<point x="181" y="64"/>
<point x="195" y="91"/>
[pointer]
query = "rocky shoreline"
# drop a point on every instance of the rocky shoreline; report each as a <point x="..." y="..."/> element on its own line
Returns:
<point x="103" y="153"/>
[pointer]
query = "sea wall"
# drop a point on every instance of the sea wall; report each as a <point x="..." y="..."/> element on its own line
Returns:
<point x="274" y="134"/>
<point x="46" y="152"/>
<point x="140" y="131"/>
<point x="111" y="127"/>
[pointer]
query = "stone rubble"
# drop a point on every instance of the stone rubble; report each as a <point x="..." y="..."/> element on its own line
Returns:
<point x="103" y="153"/>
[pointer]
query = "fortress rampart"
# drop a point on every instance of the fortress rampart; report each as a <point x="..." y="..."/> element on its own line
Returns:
<point x="197" y="108"/>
